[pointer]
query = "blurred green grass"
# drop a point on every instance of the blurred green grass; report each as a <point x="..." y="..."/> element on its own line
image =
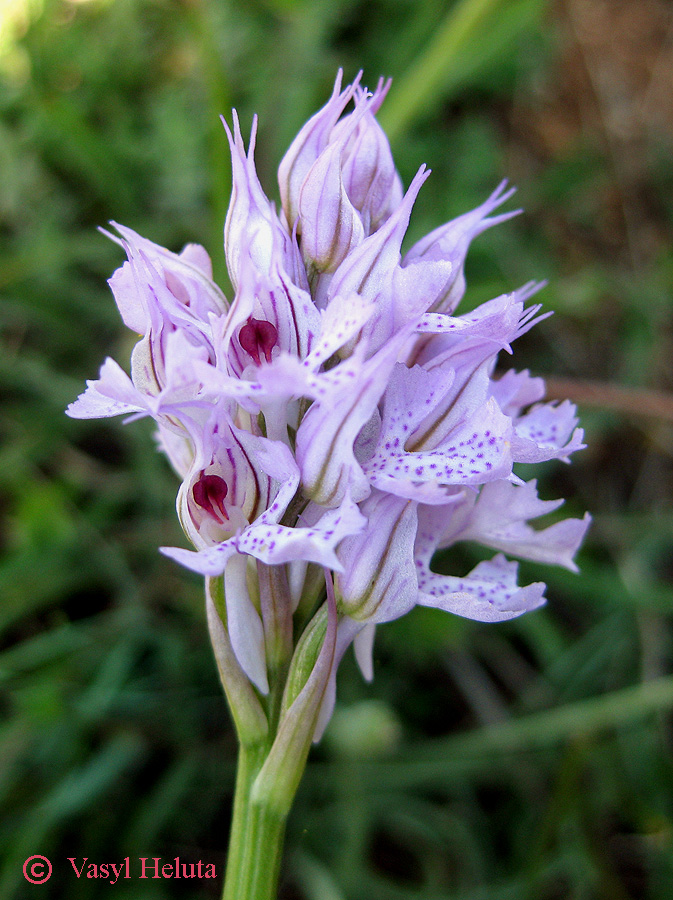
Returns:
<point x="530" y="760"/>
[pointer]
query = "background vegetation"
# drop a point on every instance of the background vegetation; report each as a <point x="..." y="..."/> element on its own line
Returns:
<point x="529" y="760"/>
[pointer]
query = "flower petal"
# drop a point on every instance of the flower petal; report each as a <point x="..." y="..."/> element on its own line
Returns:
<point x="451" y="242"/>
<point x="112" y="394"/>
<point x="276" y="544"/>
<point x="488" y="594"/>
<point x="546" y="432"/>
<point x="499" y="517"/>
<point x="328" y="431"/>
<point x="252" y="224"/>
<point x="244" y="624"/>
<point x="378" y="582"/>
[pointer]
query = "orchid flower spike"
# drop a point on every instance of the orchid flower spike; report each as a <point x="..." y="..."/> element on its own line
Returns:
<point x="337" y="421"/>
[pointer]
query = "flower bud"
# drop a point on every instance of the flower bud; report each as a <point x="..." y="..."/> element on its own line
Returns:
<point x="331" y="226"/>
<point x="379" y="580"/>
<point x="277" y="781"/>
<point x="305" y="657"/>
<point x="308" y="145"/>
<point x="368" y="170"/>
<point x="252" y="225"/>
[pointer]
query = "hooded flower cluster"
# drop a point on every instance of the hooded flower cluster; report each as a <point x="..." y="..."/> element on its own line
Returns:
<point x="336" y="423"/>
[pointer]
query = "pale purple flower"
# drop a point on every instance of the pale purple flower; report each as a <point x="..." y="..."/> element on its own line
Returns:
<point x="336" y="422"/>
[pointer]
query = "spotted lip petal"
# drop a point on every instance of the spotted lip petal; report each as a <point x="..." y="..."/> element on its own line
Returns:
<point x="498" y="517"/>
<point x="472" y="455"/>
<point x="275" y="544"/>
<point x="475" y="450"/>
<point x="547" y="432"/>
<point x="489" y="593"/>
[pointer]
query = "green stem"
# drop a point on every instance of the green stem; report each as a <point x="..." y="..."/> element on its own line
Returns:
<point x="256" y="839"/>
<point x="271" y="763"/>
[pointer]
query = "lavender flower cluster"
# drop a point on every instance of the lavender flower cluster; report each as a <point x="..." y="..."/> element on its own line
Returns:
<point x="336" y="422"/>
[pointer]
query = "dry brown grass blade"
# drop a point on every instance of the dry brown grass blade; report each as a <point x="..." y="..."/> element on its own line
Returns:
<point x="626" y="400"/>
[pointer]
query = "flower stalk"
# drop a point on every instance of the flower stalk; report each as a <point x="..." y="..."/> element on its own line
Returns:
<point x="256" y="836"/>
<point x="269" y="770"/>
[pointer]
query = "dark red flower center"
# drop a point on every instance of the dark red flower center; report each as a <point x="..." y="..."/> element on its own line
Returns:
<point x="258" y="337"/>
<point x="209" y="493"/>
